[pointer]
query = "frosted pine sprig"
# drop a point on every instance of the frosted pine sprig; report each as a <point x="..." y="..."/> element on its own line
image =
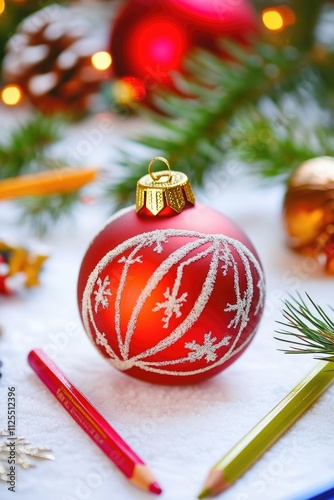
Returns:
<point x="309" y="330"/>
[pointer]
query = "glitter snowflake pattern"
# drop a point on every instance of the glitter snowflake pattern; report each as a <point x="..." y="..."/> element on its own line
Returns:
<point x="129" y="261"/>
<point x="224" y="256"/>
<point x="241" y="310"/>
<point x="158" y="240"/>
<point x="172" y="305"/>
<point x="101" y="339"/>
<point x="25" y="453"/>
<point x="208" y="349"/>
<point x="102" y="293"/>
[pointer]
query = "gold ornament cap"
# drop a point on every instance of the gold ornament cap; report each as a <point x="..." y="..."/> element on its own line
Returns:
<point x="166" y="188"/>
<point x="316" y="172"/>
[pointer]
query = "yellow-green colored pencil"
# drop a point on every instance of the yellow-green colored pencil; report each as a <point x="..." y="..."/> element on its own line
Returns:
<point x="268" y="430"/>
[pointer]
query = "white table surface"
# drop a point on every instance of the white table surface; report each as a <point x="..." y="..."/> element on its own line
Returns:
<point x="179" y="431"/>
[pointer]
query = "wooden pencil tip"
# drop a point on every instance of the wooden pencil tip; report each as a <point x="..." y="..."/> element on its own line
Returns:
<point x="214" y="484"/>
<point x="143" y="478"/>
<point x="155" y="488"/>
<point x="204" y="493"/>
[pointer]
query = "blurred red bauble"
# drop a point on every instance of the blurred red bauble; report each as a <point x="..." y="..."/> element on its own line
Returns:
<point x="170" y="298"/>
<point x="151" y="39"/>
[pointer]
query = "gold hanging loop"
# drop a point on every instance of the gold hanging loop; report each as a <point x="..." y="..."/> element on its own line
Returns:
<point x="167" y="188"/>
<point x="157" y="176"/>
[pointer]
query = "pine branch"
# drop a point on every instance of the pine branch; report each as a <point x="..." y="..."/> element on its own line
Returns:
<point x="274" y="146"/>
<point x="192" y="143"/>
<point x="308" y="331"/>
<point x="221" y="119"/>
<point x="216" y="115"/>
<point x="43" y="212"/>
<point x="27" y="148"/>
<point x="27" y="151"/>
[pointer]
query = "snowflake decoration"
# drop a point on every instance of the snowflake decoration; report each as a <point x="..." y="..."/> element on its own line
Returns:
<point x="226" y="257"/>
<point x="241" y="309"/>
<point x="24" y="451"/>
<point x="101" y="339"/>
<point x="129" y="261"/>
<point x="159" y="239"/>
<point x="102" y="293"/>
<point x="172" y="305"/>
<point x="207" y="350"/>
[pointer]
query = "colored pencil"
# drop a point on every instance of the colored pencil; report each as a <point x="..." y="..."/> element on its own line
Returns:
<point x="268" y="430"/>
<point x="327" y="493"/>
<point x="58" y="180"/>
<point x="92" y="422"/>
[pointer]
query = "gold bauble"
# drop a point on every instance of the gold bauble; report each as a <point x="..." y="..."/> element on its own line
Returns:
<point x="309" y="210"/>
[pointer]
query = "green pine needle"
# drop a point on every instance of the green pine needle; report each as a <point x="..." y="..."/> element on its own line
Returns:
<point x="42" y="212"/>
<point x="27" y="151"/>
<point x="217" y="114"/>
<point x="223" y="120"/>
<point x="27" y="147"/>
<point x="309" y="329"/>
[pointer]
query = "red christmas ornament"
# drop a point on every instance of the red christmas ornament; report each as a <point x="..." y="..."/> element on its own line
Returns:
<point x="151" y="39"/>
<point x="174" y="297"/>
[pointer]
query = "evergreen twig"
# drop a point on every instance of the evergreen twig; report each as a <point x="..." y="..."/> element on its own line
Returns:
<point x="27" y="148"/>
<point x="223" y="120"/>
<point x="217" y="113"/>
<point x="27" y="151"/>
<point x="41" y="211"/>
<point x="308" y="331"/>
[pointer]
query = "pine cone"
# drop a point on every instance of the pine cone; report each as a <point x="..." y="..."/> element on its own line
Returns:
<point x="49" y="57"/>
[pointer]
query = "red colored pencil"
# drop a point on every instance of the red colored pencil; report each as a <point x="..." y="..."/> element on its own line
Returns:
<point x="92" y="422"/>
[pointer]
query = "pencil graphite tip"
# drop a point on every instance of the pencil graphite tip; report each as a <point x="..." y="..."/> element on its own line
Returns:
<point x="155" y="488"/>
<point x="204" y="493"/>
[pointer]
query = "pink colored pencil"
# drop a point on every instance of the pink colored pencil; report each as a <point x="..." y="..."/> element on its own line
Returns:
<point x="92" y="422"/>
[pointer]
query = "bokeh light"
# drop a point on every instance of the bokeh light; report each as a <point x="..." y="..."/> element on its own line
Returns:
<point x="156" y="47"/>
<point x="2" y="6"/>
<point x="11" y="94"/>
<point x="277" y="18"/>
<point x="272" y="19"/>
<point x="101" y="60"/>
<point x="129" y="90"/>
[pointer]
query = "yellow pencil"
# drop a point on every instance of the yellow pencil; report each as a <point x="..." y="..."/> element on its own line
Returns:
<point x="58" y="180"/>
<point x="268" y="430"/>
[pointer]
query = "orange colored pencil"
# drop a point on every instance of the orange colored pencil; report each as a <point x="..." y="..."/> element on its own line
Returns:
<point x="58" y="180"/>
<point x="93" y="423"/>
